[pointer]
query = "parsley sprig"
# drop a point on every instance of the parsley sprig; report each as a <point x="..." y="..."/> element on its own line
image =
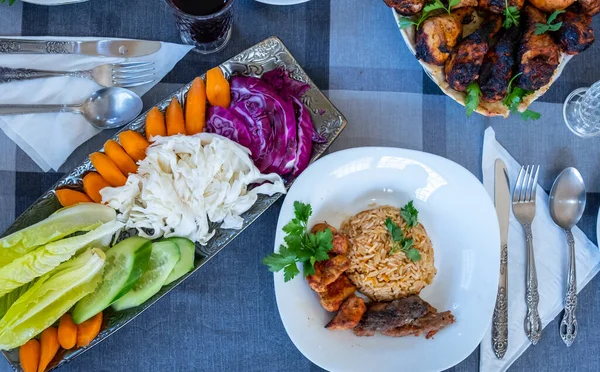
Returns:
<point x="300" y="246"/>
<point x="405" y="22"/>
<point x="541" y="28"/>
<point x="511" y="16"/>
<point x="472" y="100"/>
<point x="10" y="2"/>
<point x="514" y="98"/>
<point x="399" y="241"/>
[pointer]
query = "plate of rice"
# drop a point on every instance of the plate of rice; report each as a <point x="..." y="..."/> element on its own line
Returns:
<point x="360" y="192"/>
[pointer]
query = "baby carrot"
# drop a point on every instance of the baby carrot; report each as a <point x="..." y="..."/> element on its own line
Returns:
<point x="29" y="355"/>
<point x="67" y="332"/>
<point x="88" y="330"/>
<point x="116" y="153"/>
<point x="134" y="144"/>
<point x="107" y="169"/>
<point x="92" y="184"/>
<point x="175" y="120"/>
<point x="218" y="91"/>
<point x="67" y="197"/>
<point x="48" y="347"/>
<point x="195" y="107"/>
<point x="155" y="124"/>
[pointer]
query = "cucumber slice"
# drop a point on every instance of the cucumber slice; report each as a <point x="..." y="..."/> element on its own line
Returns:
<point x="187" y="250"/>
<point x="126" y="262"/>
<point x="163" y="259"/>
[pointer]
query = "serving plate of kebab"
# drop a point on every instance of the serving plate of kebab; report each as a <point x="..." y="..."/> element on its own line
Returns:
<point x="495" y="57"/>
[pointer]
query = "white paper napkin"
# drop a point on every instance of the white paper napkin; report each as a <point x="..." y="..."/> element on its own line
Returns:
<point x="551" y="260"/>
<point x="49" y="139"/>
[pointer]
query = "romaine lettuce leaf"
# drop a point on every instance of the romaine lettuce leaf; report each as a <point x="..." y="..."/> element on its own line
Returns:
<point x="50" y="297"/>
<point x="64" y="222"/>
<point x="44" y="259"/>
<point x="8" y="299"/>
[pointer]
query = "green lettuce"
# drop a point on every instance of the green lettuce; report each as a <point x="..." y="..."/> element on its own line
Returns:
<point x="44" y="259"/>
<point x="64" y="222"/>
<point x="8" y="299"/>
<point x="50" y="297"/>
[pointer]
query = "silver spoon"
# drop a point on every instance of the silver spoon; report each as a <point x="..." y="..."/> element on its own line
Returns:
<point x="105" y="109"/>
<point x="567" y="202"/>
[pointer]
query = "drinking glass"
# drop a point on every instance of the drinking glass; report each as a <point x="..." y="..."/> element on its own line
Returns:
<point x="581" y="111"/>
<point x="209" y="33"/>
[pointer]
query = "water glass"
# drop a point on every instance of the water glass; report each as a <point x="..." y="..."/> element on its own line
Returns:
<point x="208" y="32"/>
<point x="581" y="111"/>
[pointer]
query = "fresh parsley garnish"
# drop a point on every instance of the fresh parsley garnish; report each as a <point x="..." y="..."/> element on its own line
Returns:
<point x="472" y="100"/>
<point x="10" y="2"/>
<point x="541" y="28"/>
<point x="399" y="240"/>
<point x="514" y="98"/>
<point x="511" y="16"/>
<point x="405" y="22"/>
<point x="301" y="246"/>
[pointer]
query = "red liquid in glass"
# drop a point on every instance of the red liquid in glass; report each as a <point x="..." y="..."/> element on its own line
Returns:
<point x="200" y="7"/>
<point x="204" y="31"/>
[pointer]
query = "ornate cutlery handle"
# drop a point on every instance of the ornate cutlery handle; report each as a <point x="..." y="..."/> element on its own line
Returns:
<point x="533" y="323"/>
<point x="36" y="109"/>
<point x="17" y="74"/>
<point x="568" y="324"/>
<point x="21" y="46"/>
<point x="500" y="319"/>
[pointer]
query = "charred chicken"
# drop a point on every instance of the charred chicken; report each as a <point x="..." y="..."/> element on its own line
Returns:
<point x="576" y="34"/>
<point x="406" y="7"/>
<point x="590" y="7"/>
<point x="497" y="67"/>
<point x="498" y="6"/>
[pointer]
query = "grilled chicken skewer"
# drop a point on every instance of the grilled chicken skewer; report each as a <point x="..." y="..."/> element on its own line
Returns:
<point x="576" y="34"/>
<point x="538" y="54"/>
<point x="498" y="6"/>
<point x="406" y="7"/>
<point x="497" y="67"/>
<point x="462" y="68"/>
<point x="438" y="35"/>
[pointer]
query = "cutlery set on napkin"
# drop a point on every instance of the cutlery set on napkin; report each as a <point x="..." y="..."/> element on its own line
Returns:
<point x="45" y="98"/>
<point x="529" y="295"/>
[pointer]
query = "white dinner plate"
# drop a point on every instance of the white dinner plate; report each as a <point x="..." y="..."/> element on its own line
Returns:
<point x="461" y="221"/>
<point x="282" y="2"/>
<point x="53" y="2"/>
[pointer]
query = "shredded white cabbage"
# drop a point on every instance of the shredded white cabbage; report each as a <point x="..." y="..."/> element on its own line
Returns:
<point x="186" y="181"/>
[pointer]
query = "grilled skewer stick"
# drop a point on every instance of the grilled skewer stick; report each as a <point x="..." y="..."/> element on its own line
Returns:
<point x="406" y="7"/>
<point x="590" y="7"/>
<point x="538" y="54"/>
<point x="462" y="68"/>
<point x="497" y="67"/>
<point x="438" y="35"/>
<point x="576" y="34"/>
<point x="499" y="6"/>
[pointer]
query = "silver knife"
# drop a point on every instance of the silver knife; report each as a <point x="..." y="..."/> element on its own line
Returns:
<point x="107" y="48"/>
<point x="502" y="202"/>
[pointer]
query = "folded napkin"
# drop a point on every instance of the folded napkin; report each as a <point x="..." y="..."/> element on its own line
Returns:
<point x="49" y="139"/>
<point x="551" y="260"/>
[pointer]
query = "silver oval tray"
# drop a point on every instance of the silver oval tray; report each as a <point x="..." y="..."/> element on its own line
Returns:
<point x="263" y="57"/>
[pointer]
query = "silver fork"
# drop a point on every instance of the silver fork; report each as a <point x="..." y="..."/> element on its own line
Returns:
<point x="123" y="75"/>
<point x="524" y="210"/>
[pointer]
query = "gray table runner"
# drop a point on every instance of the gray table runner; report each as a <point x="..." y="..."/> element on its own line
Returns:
<point x="225" y="317"/>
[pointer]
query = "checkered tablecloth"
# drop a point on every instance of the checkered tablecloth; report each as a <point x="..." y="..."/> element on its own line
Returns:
<point x="225" y="318"/>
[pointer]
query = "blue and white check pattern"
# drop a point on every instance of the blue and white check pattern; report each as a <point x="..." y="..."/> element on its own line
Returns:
<point x="225" y="318"/>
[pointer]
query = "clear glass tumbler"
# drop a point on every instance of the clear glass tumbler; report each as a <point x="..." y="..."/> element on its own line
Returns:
<point x="581" y="111"/>
<point x="206" y="24"/>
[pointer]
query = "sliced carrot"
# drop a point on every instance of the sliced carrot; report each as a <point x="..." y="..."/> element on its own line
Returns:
<point x="67" y="197"/>
<point x="175" y="121"/>
<point x="108" y="169"/>
<point x="116" y="153"/>
<point x="134" y="144"/>
<point x="88" y="330"/>
<point x="218" y="91"/>
<point x="195" y="107"/>
<point x="92" y="184"/>
<point x="155" y="124"/>
<point x="29" y="355"/>
<point x="48" y="347"/>
<point x="67" y="332"/>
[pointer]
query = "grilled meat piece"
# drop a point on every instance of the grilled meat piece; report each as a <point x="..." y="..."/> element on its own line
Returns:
<point x="336" y="293"/>
<point x="590" y="7"/>
<point x="340" y="245"/>
<point x="465" y="4"/>
<point x="349" y="315"/>
<point x="327" y="272"/>
<point x="438" y="35"/>
<point x="462" y="68"/>
<point x="538" y="54"/>
<point x="497" y="67"/>
<point x="406" y="7"/>
<point x="576" y="34"/>
<point x="383" y="316"/>
<point x="429" y="324"/>
<point x="498" y="6"/>
<point x="322" y="227"/>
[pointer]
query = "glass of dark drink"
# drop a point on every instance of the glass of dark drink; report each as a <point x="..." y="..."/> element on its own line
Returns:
<point x="206" y="24"/>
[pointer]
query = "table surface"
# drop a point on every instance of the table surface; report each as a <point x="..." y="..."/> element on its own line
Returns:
<point x="225" y="316"/>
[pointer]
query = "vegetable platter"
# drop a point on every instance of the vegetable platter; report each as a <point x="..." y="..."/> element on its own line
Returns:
<point x="268" y="55"/>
